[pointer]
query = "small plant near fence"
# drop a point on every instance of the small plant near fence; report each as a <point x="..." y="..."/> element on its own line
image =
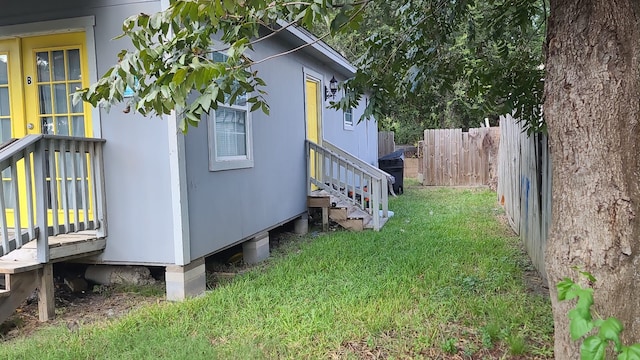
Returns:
<point x="594" y="347"/>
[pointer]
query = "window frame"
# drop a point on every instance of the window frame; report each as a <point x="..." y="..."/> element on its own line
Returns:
<point x="220" y="163"/>
<point x="347" y="125"/>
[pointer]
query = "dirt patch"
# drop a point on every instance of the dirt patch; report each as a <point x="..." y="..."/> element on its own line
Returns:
<point x="95" y="303"/>
<point x="75" y="309"/>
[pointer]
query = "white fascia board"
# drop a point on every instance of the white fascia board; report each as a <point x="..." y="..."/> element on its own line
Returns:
<point x="319" y="45"/>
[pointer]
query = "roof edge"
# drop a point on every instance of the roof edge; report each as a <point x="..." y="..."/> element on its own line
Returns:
<point x="319" y="45"/>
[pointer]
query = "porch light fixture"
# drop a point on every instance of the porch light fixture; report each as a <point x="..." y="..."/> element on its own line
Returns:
<point x="331" y="91"/>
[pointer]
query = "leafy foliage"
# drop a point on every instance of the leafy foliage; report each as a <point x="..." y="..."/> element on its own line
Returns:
<point x="445" y="57"/>
<point x="462" y="60"/>
<point x="581" y="323"/>
<point x="171" y="58"/>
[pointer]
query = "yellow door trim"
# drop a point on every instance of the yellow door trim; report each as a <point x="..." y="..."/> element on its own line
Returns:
<point x="11" y="48"/>
<point x="55" y="42"/>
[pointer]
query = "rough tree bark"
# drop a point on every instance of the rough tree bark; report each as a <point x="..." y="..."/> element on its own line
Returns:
<point x="592" y="107"/>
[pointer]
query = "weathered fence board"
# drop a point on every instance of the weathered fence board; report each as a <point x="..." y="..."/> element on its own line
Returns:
<point x="386" y="143"/>
<point x="524" y="186"/>
<point x="451" y="157"/>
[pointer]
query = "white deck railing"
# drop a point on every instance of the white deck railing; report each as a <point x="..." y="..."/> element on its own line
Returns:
<point x="349" y="178"/>
<point x="50" y="185"/>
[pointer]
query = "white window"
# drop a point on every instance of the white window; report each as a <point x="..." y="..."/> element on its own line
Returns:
<point x="348" y="119"/>
<point x="230" y="136"/>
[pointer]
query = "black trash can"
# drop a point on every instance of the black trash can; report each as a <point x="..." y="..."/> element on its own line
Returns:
<point x="394" y="165"/>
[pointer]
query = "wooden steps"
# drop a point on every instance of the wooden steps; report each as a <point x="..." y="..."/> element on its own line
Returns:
<point x="342" y="212"/>
<point x="23" y="273"/>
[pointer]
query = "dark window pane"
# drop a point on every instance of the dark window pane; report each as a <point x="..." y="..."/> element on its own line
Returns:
<point x="73" y="59"/>
<point x="4" y="69"/>
<point x="42" y="61"/>
<point x="4" y="102"/>
<point x="60" y="98"/>
<point x="58" y="65"/>
<point x="75" y="108"/>
<point x="44" y="93"/>
<point x="62" y="125"/>
<point x="47" y="125"/>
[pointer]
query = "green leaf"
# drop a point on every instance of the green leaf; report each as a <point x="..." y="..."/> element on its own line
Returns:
<point x="179" y="76"/>
<point x="579" y="325"/>
<point x="611" y="329"/>
<point x="155" y="21"/>
<point x="563" y="288"/>
<point x="630" y="352"/>
<point x="593" y="348"/>
<point x="229" y="5"/>
<point x="340" y="20"/>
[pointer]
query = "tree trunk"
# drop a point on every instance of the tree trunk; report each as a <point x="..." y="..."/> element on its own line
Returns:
<point x="592" y="108"/>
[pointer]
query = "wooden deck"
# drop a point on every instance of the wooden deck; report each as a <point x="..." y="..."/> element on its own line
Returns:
<point x="61" y="248"/>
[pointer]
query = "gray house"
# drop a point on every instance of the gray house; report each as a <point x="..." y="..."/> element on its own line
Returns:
<point x="118" y="188"/>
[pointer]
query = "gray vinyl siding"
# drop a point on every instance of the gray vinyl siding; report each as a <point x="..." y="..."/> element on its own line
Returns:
<point x="226" y="207"/>
<point x="136" y="153"/>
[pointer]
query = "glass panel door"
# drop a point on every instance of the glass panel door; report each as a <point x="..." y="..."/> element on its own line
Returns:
<point x="54" y="68"/>
<point x="58" y="76"/>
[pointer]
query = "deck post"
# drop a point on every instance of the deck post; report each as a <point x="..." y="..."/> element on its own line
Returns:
<point x="46" y="296"/>
<point x="39" y="169"/>
<point x="186" y="281"/>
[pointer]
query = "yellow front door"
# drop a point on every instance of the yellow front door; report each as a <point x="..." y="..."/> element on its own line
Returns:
<point x="313" y="126"/>
<point x="313" y="118"/>
<point x="37" y="77"/>
<point x="53" y="69"/>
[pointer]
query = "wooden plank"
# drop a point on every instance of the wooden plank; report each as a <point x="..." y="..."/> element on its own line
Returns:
<point x="428" y="157"/>
<point x="445" y="150"/>
<point x="325" y="219"/>
<point x="46" y="298"/>
<point x="465" y="168"/>
<point x="352" y="224"/>
<point x="456" y="148"/>
<point x="77" y="249"/>
<point x="17" y="267"/>
<point x="318" y="201"/>
<point x="20" y="285"/>
<point x="338" y="214"/>
<point x="484" y="156"/>
<point x="386" y="143"/>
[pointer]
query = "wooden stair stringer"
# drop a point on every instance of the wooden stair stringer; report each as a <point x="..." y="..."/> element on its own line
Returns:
<point x="18" y="287"/>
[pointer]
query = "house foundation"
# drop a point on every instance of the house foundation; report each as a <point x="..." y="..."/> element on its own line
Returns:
<point x="185" y="281"/>
<point x="256" y="249"/>
<point x="301" y="225"/>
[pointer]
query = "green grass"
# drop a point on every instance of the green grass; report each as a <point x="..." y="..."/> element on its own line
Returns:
<point x="444" y="276"/>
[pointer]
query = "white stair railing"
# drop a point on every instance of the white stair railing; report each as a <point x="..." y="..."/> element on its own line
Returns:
<point x="50" y="185"/>
<point x="348" y="178"/>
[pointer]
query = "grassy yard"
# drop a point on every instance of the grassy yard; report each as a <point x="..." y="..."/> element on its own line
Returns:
<point x="443" y="279"/>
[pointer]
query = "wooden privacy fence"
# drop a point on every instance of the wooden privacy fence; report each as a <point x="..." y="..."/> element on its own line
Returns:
<point x="524" y="186"/>
<point x="386" y="143"/>
<point x="451" y="157"/>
